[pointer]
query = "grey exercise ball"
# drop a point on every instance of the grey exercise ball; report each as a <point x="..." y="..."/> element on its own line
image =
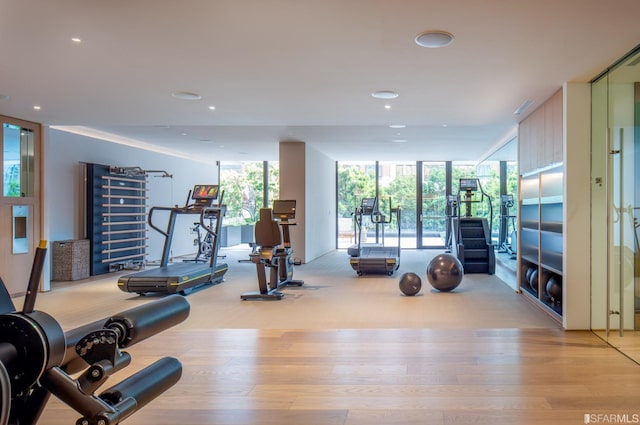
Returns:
<point x="410" y="284"/>
<point x="445" y="272"/>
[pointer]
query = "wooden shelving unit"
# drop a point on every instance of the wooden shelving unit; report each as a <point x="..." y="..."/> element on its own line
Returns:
<point x="540" y="251"/>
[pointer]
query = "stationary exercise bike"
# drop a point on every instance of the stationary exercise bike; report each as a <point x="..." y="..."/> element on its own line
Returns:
<point x="38" y="359"/>
<point x="274" y="251"/>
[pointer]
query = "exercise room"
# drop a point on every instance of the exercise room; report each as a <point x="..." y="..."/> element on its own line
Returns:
<point x="323" y="213"/>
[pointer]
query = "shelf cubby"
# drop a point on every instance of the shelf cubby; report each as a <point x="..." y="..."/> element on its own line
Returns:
<point x="540" y="251"/>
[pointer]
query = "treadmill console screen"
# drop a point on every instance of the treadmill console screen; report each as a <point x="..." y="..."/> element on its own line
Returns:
<point x="368" y="205"/>
<point x="468" y="185"/>
<point x="204" y="194"/>
<point x="284" y="209"/>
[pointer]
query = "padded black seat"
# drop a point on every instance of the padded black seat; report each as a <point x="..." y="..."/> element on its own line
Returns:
<point x="267" y="235"/>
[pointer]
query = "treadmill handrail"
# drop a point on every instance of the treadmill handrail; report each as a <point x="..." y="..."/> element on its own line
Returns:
<point x="150" y="220"/>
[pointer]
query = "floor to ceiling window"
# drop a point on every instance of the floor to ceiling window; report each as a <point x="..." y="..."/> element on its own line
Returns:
<point x="248" y="186"/>
<point x="434" y="214"/>
<point x="397" y="188"/>
<point x="421" y="190"/>
<point x="355" y="180"/>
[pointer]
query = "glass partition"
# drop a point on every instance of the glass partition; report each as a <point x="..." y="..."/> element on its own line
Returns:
<point x="615" y="206"/>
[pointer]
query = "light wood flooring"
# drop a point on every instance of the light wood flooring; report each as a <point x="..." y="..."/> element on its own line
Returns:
<point x="348" y="350"/>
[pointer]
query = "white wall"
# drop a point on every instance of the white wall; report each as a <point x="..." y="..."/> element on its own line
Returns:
<point x="577" y="224"/>
<point x="320" y="195"/>
<point x="64" y="188"/>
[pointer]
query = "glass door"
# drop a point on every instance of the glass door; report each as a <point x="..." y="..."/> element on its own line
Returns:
<point x="616" y="202"/>
<point x="434" y="218"/>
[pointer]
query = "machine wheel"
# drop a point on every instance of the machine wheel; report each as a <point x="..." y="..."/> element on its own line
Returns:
<point x="186" y="291"/>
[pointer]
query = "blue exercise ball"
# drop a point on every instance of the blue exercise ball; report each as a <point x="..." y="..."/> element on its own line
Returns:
<point x="445" y="272"/>
<point x="410" y="284"/>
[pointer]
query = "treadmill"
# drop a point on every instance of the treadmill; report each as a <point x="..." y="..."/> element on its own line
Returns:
<point x="183" y="277"/>
<point x="367" y="258"/>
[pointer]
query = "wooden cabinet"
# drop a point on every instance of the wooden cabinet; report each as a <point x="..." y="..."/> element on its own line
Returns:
<point x="540" y="136"/>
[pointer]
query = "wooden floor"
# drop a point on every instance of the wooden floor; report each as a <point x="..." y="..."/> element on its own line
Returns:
<point x="482" y="355"/>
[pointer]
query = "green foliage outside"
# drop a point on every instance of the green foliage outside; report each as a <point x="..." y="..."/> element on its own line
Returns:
<point x="358" y="181"/>
<point x="243" y="187"/>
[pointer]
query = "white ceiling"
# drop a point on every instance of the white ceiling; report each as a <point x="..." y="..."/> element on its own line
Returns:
<point x="302" y="70"/>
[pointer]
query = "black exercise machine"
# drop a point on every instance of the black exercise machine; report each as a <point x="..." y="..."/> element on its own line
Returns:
<point x="183" y="277"/>
<point x="507" y="238"/>
<point x="374" y="257"/>
<point x="273" y="251"/>
<point x="38" y="359"/>
<point x="471" y="235"/>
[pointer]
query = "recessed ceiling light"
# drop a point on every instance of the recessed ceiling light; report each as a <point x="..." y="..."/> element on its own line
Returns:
<point x="399" y="141"/>
<point x="434" y="39"/>
<point x="212" y="108"/>
<point x="387" y="106"/>
<point x="183" y="134"/>
<point x="76" y="40"/>
<point x="185" y="95"/>
<point x="444" y="125"/>
<point x="384" y="94"/>
<point x="397" y="126"/>
<point x="37" y="107"/>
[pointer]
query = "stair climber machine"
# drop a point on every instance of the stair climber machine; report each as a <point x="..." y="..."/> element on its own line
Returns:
<point x="273" y="251"/>
<point x="373" y="257"/>
<point x="38" y="359"/>
<point x="471" y="236"/>
<point x="508" y="235"/>
<point x="183" y="277"/>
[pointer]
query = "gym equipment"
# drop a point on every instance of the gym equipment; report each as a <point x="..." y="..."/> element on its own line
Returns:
<point x="507" y="241"/>
<point x="453" y="202"/>
<point x="273" y="251"/>
<point x="204" y="241"/>
<point x="38" y="359"/>
<point x="445" y="272"/>
<point x="374" y="258"/>
<point x="472" y="242"/>
<point x="183" y="277"/>
<point x="410" y="284"/>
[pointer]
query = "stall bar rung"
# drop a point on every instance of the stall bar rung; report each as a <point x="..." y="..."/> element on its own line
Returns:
<point x="123" y="179"/>
<point x="136" y="189"/>
<point x="118" y="223"/>
<point x="119" y="232"/>
<point x="126" y="257"/>
<point x="112" y="241"/>
<point x="124" y="196"/>
<point x="142" y="214"/>
<point x="128" y="248"/>
<point x="124" y="205"/>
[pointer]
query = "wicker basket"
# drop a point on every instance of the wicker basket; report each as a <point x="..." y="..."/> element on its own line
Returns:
<point x="70" y="260"/>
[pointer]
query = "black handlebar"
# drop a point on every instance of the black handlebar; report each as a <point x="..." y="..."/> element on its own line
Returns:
<point x="37" y="359"/>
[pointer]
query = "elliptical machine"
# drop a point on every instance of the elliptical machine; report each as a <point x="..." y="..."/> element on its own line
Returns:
<point x="38" y="359"/>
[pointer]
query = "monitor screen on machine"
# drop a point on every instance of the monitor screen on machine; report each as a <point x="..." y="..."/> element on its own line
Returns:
<point x="204" y="194"/>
